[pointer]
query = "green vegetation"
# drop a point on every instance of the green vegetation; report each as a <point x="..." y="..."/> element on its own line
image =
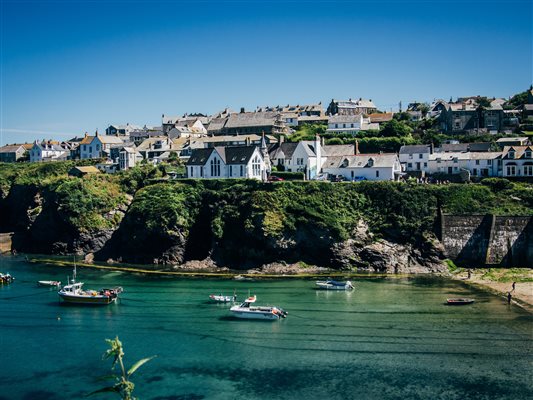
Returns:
<point x="123" y="386"/>
<point x="289" y="176"/>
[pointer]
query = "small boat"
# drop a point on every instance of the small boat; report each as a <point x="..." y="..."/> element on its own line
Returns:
<point x="334" y="285"/>
<point x="49" y="283"/>
<point x="73" y="293"/>
<point x="6" y="278"/>
<point x="459" y="302"/>
<point x="219" y="298"/>
<point x="242" y="278"/>
<point x="247" y="311"/>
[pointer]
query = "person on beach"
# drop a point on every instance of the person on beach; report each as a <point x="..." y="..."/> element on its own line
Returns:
<point x="469" y="274"/>
<point x="509" y="297"/>
<point x="514" y="286"/>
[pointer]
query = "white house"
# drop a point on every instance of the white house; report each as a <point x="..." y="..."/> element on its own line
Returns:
<point x="128" y="158"/>
<point x="448" y="163"/>
<point x="154" y="146"/>
<point x="485" y="164"/>
<point x="517" y="161"/>
<point x="48" y="151"/>
<point x="415" y="157"/>
<point x="372" y="167"/>
<point x="306" y="156"/>
<point x="227" y="162"/>
<point x="350" y="124"/>
<point x="97" y="146"/>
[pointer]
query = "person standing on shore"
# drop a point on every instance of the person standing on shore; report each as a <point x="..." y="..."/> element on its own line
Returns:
<point x="514" y="286"/>
<point x="509" y="297"/>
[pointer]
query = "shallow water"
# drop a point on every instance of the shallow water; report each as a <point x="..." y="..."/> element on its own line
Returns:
<point x="389" y="339"/>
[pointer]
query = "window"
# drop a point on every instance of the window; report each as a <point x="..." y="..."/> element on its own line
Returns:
<point x="528" y="170"/>
<point x="97" y="147"/>
<point x="231" y="170"/>
<point x="511" y="170"/>
<point x="477" y="162"/>
<point x="192" y="174"/>
<point x="420" y="156"/>
<point x="425" y="165"/>
<point x="242" y="170"/>
<point x="256" y="166"/>
<point x="511" y="154"/>
<point x="489" y="162"/>
<point x="528" y="154"/>
<point x="90" y="149"/>
<point x="377" y="174"/>
<point x="409" y="165"/>
<point x="299" y="161"/>
<point x="215" y="167"/>
<point x="455" y="160"/>
<point x="201" y="171"/>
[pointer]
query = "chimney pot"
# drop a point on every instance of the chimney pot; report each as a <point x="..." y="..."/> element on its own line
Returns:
<point x="242" y="110"/>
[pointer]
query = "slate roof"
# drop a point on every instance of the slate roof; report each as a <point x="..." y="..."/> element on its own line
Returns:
<point x="287" y="149"/>
<point x="362" y="161"/>
<point x="216" y="124"/>
<point x="479" y="147"/>
<point x="415" y="149"/>
<point x="250" y="119"/>
<point x="345" y="119"/>
<point x="519" y="152"/>
<point x="452" y="147"/>
<point x="109" y="139"/>
<point x="87" y="139"/>
<point x="339" y="150"/>
<point x="200" y="156"/>
<point x="10" y="148"/>
<point x="383" y="117"/>
<point x="236" y="154"/>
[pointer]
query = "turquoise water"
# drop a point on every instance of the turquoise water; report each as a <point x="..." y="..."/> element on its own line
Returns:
<point x="389" y="339"/>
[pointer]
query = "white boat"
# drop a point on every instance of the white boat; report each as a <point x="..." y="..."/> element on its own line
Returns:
<point x="49" y="283"/>
<point x="219" y="298"/>
<point x="73" y="293"/>
<point x="247" y="311"/>
<point x="334" y="285"/>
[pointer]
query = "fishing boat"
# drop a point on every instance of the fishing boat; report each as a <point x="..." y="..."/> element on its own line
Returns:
<point x="6" y="278"/>
<point x="49" y="283"/>
<point x="459" y="301"/>
<point x="73" y="293"/>
<point x="334" y="285"/>
<point x="247" y="311"/>
<point x="220" y="298"/>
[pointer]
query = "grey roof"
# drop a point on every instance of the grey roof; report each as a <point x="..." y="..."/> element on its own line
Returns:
<point x="249" y="119"/>
<point x="479" y="147"/>
<point x="287" y="149"/>
<point x="10" y="148"/>
<point x="415" y="149"/>
<point x="361" y="161"/>
<point x="339" y="149"/>
<point x="236" y="154"/>
<point x="511" y="139"/>
<point x="217" y="124"/>
<point x="109" y="139"/>
<point x="335" y="119"/>
<point x="199" y="156"/>
<point x="454" y="147"/>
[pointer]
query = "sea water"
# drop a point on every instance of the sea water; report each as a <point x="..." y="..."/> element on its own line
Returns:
<point x="390" y="338"/>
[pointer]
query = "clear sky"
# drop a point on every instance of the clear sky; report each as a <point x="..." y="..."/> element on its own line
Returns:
<point x="73" y="66"/>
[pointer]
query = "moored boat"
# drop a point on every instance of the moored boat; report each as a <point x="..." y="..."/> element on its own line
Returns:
<point x="334" y="285"/>
<point x="73" y="293"/>
<point x="49" y="283"/>
<point x="459" y="301"/>
<point x="6" y="278"/>
<point x="220" y="298"/>
<point x="247" y="311"/>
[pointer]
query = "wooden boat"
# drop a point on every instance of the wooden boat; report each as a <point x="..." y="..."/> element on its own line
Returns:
<point x="246" y="311"/>
<point x="49" y="283"/>
<point x="6" y="278"/>
<point x="459" y="301"/>
<point x="73" y="293"/>
<point x="334" y="285"/>
<point x="219" y="298"/>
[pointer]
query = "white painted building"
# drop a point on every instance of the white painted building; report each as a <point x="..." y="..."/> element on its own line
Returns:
<point x="372" y="167"/>
<point x="517" y="161"/>
<point x="227" y="162"/>
<point x="48" y="151"/>
<point x="415" y="158"/>
<point x="350" y="124"/>
<point x="448" y="163"/>
<point x="306" y="156"/>
<point x="97" y="146"/>
<point x="128" y="158"/>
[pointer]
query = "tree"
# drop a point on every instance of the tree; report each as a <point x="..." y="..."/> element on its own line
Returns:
<point x="123" y="386"/>
<point x="395" y="128"/>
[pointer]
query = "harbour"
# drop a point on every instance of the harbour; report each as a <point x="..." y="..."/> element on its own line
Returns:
<point x="389" y="338"/>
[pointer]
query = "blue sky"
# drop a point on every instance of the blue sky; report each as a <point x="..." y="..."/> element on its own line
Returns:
<point x="73" y="66"/>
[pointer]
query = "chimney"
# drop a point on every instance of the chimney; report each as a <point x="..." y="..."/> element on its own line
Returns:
<point x="431" y="148"/>
<point x="356" y="147"/>
<point x="85" y="135"/>
<point x="96" y="133"/>
<point x="247" y="141"/>
<point x="242" y="110"/>
<point x="464" y="106"/>
<point x="322" y="142"/>
<point x="281" y="139"/>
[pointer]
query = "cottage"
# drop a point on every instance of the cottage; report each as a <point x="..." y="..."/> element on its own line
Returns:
<point x="48" y="151"/>
<point x="372" y="167"/>
<point x="154" y="146"/>
<point x="12" y="153"/>
<point x="305" y="156"/>
<point x="121" y="130"/>
<point x="97" y="146"/>
<point x="414" y="158"/>
<point x="517" y="161"/>
<point x="351" y="107"/>
<point x="128" y="158"/>
<point x="82" y="171"/>
<point x="350" y="124"/>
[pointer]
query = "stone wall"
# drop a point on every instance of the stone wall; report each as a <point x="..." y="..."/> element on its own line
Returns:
<point x="488" y="240"/>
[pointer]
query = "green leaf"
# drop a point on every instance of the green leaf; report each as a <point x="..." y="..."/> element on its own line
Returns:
<point x="107" y="389"/>
<point x="136" y="366"/>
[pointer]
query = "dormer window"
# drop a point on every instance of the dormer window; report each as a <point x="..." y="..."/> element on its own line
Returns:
<point x="370" y="162"/>
<point x="511" y="154"/>
<point x="344" y="163"/>
<point x="528" y="153"/>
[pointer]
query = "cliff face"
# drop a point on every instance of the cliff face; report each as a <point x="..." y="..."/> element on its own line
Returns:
<point x="382" y="227"/>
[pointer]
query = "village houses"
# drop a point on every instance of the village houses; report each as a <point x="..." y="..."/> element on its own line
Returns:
<point x="97" y="146"/>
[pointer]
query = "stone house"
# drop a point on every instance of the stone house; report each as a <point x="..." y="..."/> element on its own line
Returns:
<point x="349" y="124"/>
<point x="351" y="107"/>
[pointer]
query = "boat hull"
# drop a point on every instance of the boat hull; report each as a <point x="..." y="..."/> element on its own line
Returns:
<point x="254" y="315"/>
<point x="459" y="302"/>
<point x="328" y="286"/>
<point x="82" y="299"/>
